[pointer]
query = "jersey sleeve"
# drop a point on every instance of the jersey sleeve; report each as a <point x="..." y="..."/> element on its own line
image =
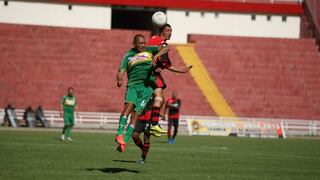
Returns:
<point x="62" y="100"/>
<point x="124" y="62"/>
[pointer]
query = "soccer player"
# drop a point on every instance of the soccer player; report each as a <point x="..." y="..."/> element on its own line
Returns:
<point x="68" y="107"/>
<point x="163" y="62"/>
<point x="137" y="64"/>
<point x="173" y="106"/>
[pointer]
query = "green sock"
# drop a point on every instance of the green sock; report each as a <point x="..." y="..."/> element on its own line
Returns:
<point x="64" y="129"/>
<point x="68" y="131"/>
<point x="128" y="133"/>
<point x="122" y="124"/>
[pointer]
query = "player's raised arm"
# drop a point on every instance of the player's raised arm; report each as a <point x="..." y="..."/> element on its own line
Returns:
<point x="178" y="70"/>
<point x="162" y="51"/>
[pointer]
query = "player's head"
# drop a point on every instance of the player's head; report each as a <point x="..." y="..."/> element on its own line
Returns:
<point x="139" y="43"/>
<point x="174" y="94"/>
<point x="165" y="31"/>
<point x="70" y="91"/>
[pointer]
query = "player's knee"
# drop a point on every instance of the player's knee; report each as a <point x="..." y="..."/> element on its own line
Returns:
<point x="158" y="99"/>
<point x="135" y="136"/>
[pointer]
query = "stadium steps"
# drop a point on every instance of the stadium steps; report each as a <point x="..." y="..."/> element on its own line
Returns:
<point x="205" y="83"/>
<point x="264" y="77"/>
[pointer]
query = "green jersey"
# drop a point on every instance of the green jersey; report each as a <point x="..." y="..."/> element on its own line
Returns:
<point x="69" y="103"/>
<point x="138" y="65"/>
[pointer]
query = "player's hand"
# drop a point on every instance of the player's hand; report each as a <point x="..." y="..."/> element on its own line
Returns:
<point x="158" y="70"/>
<point x="119" y="83"/>
<point x="188" y="68"/>
<point x="154" y="61"/>
<point x="61" y="114"/>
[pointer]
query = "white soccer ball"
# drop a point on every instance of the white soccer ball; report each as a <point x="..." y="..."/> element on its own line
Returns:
<point x="159" y="18"/>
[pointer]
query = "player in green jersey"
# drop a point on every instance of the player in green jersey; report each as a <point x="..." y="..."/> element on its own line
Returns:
<point x="68" y="107"/>
<point x="137" y="64"/>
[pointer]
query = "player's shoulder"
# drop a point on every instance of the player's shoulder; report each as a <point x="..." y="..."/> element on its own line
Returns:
<point x="155" y="40"/>
<point x="129" y="53"/>
<point x="157" y="36"/>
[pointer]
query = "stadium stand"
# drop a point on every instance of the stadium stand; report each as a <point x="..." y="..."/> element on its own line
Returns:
<point x="264" y="77"/>
<point x="44" y="61"/>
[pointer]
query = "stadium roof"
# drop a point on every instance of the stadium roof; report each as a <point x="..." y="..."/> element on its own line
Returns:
<point x="292" y="7"/>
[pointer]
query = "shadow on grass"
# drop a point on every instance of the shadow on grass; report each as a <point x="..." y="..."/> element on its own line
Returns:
<point x="112" y="170"/>
<point x="125" y="161"/>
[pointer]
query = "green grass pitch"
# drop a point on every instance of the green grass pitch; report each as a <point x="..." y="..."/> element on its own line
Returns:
<point x="41" y="155"/>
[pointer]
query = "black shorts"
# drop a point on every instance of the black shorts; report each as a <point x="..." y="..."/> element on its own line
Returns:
<point x="173" y="122"/>
<point x="141" y="126"/>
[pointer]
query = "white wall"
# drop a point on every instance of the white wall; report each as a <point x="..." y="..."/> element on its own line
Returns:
<point x="230" y="24"/>
<point x="56" y="15"/>
<point x="99" y="17"/>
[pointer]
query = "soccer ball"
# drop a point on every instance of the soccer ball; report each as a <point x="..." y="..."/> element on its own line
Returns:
<point x="159" y="18"/>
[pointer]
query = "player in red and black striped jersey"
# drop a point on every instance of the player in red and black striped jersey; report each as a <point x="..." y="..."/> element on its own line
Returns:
<point x="173" y="106"/>
<point x="163" y="62"/>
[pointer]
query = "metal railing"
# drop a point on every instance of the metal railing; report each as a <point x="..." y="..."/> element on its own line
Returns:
<point x="109" y="121"/>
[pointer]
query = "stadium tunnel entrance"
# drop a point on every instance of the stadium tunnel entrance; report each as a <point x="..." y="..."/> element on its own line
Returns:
<point x="138" y="18"/>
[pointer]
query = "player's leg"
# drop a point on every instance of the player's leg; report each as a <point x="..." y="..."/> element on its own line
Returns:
<point x="69" y="133"/>
<point x="130" y="99"/>
<point x="131" y="126"/>
<point x="68" y="122"/>
<point x="175" y="131"/>
<point x="71" y="121"/>
<point x="63" y="135"/>
<point x="136" y="139"/>
<point x="65" y="126"/>
<point x="156" y="108"/>
<point x="146" y="146"/>
<point x="140" y="125"/>
<point x="123" y="121"/>
<point x="169" y="130"/>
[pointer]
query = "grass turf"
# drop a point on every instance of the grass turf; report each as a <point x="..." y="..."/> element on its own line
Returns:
<point x="41" y="155"/>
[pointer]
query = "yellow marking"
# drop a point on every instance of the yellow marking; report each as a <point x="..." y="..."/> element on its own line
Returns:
<point x="204" y="81"/>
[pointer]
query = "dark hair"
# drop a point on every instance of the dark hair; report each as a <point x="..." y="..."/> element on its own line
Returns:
<point x="70" y="88"/>
<point x="162" y="28"/>
<point x="135" y="38"/>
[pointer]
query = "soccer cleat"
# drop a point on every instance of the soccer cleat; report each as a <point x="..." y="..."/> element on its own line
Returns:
<point x="119" y="139"/>
<point x="121" y="147"/>
<point x="62" y="138"/>
<point x="155" y="133"/>
<point x="140" y="161"/>
<point x="69" y="139"/>
<point x="157" y="128"/>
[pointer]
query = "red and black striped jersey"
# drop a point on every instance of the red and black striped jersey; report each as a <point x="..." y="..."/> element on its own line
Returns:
<point x="164" y="61"/>
<point x="174" y="107"/>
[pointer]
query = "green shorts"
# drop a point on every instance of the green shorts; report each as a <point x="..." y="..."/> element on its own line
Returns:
<point x="68" y="119"/>
<point x="139" y="95"/>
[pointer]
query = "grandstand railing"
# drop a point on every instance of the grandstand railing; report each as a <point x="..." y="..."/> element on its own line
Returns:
<point x="109" y="121"/>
